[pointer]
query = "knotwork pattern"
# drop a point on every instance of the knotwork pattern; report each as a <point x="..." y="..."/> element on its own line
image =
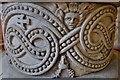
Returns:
<point x="35" y="37"/>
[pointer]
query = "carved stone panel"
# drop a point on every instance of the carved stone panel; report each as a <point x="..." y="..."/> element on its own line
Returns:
<point x="59" y="39"/>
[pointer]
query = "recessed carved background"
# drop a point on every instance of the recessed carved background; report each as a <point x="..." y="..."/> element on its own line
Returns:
<point x="64" y="38"/>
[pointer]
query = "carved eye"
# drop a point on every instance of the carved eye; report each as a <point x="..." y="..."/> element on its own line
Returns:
<point x="76" y="19"/>
<point x="68" y="18"/>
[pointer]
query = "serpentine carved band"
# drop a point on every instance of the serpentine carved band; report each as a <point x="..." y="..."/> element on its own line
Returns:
<point x="57" y="38"/>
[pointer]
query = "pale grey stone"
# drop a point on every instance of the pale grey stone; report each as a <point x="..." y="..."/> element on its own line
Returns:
<point x="58" y="39"/>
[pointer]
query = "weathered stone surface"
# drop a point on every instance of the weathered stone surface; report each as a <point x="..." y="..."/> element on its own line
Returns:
<point x="111" y="71"/>
<point x="59" y="39"/>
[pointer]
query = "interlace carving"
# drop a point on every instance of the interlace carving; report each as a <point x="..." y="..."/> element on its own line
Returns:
<point x="78" y="31"/>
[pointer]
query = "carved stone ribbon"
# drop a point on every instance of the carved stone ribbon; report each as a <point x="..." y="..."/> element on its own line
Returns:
<point x="36" y="36"/>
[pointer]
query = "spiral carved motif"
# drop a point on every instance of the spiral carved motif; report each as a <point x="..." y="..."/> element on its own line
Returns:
<point x="39" y="53"/>
<point x="41" y="35"/>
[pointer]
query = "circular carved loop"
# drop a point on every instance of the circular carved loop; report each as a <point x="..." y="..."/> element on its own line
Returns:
<point x="40" y="36"/>
<point x="95" y="36"/>
<point x="38" y="43"/>
<point x="47" y="53"/>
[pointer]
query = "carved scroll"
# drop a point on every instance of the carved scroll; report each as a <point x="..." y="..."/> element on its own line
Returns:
<point x="80" y="33"/>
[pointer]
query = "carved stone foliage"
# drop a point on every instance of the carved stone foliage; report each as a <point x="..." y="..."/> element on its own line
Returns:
<point x="64" y="39"/>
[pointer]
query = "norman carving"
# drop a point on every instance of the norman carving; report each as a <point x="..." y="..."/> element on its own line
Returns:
<point x="62" y="40"/>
